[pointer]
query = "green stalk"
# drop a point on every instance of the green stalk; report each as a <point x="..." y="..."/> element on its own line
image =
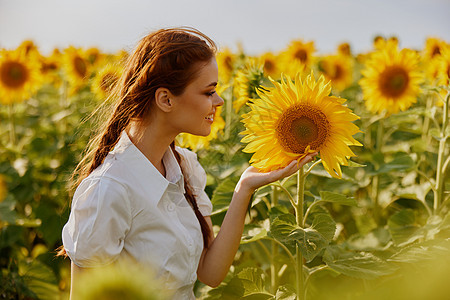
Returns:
<point x="12" y="130"/>
<point x="440" y="171"/>
<point x="274" y="266"/>
<point x="299" y="219"/>
<point x="376" y="178"/>
<point x="228" y="112"/>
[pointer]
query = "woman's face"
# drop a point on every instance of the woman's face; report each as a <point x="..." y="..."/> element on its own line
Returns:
<point x="195" y="108"/>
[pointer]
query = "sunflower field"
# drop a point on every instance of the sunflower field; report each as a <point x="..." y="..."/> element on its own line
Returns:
<point x="367" y="219"/>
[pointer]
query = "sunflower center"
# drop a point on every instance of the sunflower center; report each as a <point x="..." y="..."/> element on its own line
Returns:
<point x="301" y="126"/>
<point x="336" y="72"/>
<point x="13" y="74"/>
<point x="301" y="55"/>
<point x="393" y="81"/>
<point x="80" y="66"/>
<point x="269" y="65"/>
<point x="436" y="51"/>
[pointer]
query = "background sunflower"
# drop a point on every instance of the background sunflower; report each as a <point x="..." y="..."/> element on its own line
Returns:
<point x="391" y="79"/>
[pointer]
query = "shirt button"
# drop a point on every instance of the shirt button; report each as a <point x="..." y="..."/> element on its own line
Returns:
<point x="171" y="207"/>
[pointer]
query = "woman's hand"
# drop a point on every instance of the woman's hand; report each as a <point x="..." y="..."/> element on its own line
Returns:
<point x="252" y="179"/>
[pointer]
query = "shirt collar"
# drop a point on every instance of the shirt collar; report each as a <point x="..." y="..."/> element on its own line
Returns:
<point x="134" y="158"/>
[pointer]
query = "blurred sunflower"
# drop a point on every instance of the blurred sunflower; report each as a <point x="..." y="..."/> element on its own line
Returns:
<point x="105" y="80"/>
<point x="379" y="42"/>
<point x="433" y="48"/>
<point x="120" y="281"/>
<point x="296" y="118"/>
<point x="29" y="48"/>
<point x="391" y="80"/>
<point x="269" y="61"/>
<point x="245" y="83"/>
<point x="196" y="142"/>
<point x="225" y="61"/>
<point x="338" y="69"/>
<point x="95" y="57"/>
<point x="19" y="76"/>
<point x="76" y="66"/>
<point x="297" y="57"/>
<point x="50" y="66"/>
<point x="344" y="49"/>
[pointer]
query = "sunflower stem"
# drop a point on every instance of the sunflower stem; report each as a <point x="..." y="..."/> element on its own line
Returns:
<point x="228" y="112"/>
<point x="274" y="266"/>
<point x="376" y="178"/>
<point x="440" y="171"/>
<point x="12" y="129"/>
<point x="299" y="219"/>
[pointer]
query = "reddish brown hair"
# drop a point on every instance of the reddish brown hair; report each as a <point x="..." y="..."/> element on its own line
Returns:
<point x="165" y="58"/>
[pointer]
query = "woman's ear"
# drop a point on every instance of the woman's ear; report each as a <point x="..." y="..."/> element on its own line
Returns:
<point x="162" y="99"/>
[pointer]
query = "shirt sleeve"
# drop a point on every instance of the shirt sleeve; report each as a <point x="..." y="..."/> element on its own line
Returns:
<point x="196" y="177"/>
<point x="99" y="221"/>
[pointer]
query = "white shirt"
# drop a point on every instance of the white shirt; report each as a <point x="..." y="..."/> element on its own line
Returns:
<point x="126" y="208"/>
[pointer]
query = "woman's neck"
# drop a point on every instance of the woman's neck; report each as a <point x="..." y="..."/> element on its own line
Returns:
<point x="152" y="141"/>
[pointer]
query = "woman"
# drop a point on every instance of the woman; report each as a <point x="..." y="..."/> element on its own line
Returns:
<point x="140" y="197"/>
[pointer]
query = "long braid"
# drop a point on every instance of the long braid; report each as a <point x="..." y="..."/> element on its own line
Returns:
<point x="191" y="199"/>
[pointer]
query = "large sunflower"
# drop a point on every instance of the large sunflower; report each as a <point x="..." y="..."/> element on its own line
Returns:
<point x="391" y="79"/>
<point x="19" y="76"/>
<point x="294" y="119"/>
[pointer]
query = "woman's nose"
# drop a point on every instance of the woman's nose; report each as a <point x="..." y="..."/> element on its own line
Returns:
<point x="218" y="101"/>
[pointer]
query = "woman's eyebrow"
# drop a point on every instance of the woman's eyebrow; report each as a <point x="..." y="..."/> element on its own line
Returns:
<point x="212" y="84"/>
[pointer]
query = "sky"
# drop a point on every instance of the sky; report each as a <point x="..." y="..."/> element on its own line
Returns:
<point x="256" y="25"/>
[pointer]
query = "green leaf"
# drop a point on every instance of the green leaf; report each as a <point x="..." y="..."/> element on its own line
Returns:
<point x="285" y="292"/>
<point x="282" y="226"/>
<point x="353" y="164"/>
<point x="400" y="163"/>
<point x="337" y="198"/>
<point x="222" y="195"/>
<point x="403" y="229"/>
<point x="359" y="265"/>
<point x="254" y="234"/>
<point x="325" y="225"/>
<point x="40" y="279"/>
<point x="428" y="250"/>
<point x="311" y="242"/>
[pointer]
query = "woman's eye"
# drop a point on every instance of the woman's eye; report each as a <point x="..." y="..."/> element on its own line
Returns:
<point x="210" y="93"/>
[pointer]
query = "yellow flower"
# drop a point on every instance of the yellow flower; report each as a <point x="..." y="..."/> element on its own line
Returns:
<point x="270" y="64"/>
<point x="76" y="66"/>
<point x="296" y="118"/>
<point x="245" y="83"/>
<point x="225" y="61"/>
<point x="29" y="48"/>
<point x="50" y="66"/>
<point x="95" y="57"/>
<point x="297" y="57"/>
<point x="105" y="80"/>
<point x="196" y="142"/>
<point x="344" y="49"/>
<point x="120" y="281"/>
<point x="379" y="42"/>
<point x="391" y="79"/>
<point x="338" y="69"/>
<point x="19" y="76"/>
<point x="433" y="48"/>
